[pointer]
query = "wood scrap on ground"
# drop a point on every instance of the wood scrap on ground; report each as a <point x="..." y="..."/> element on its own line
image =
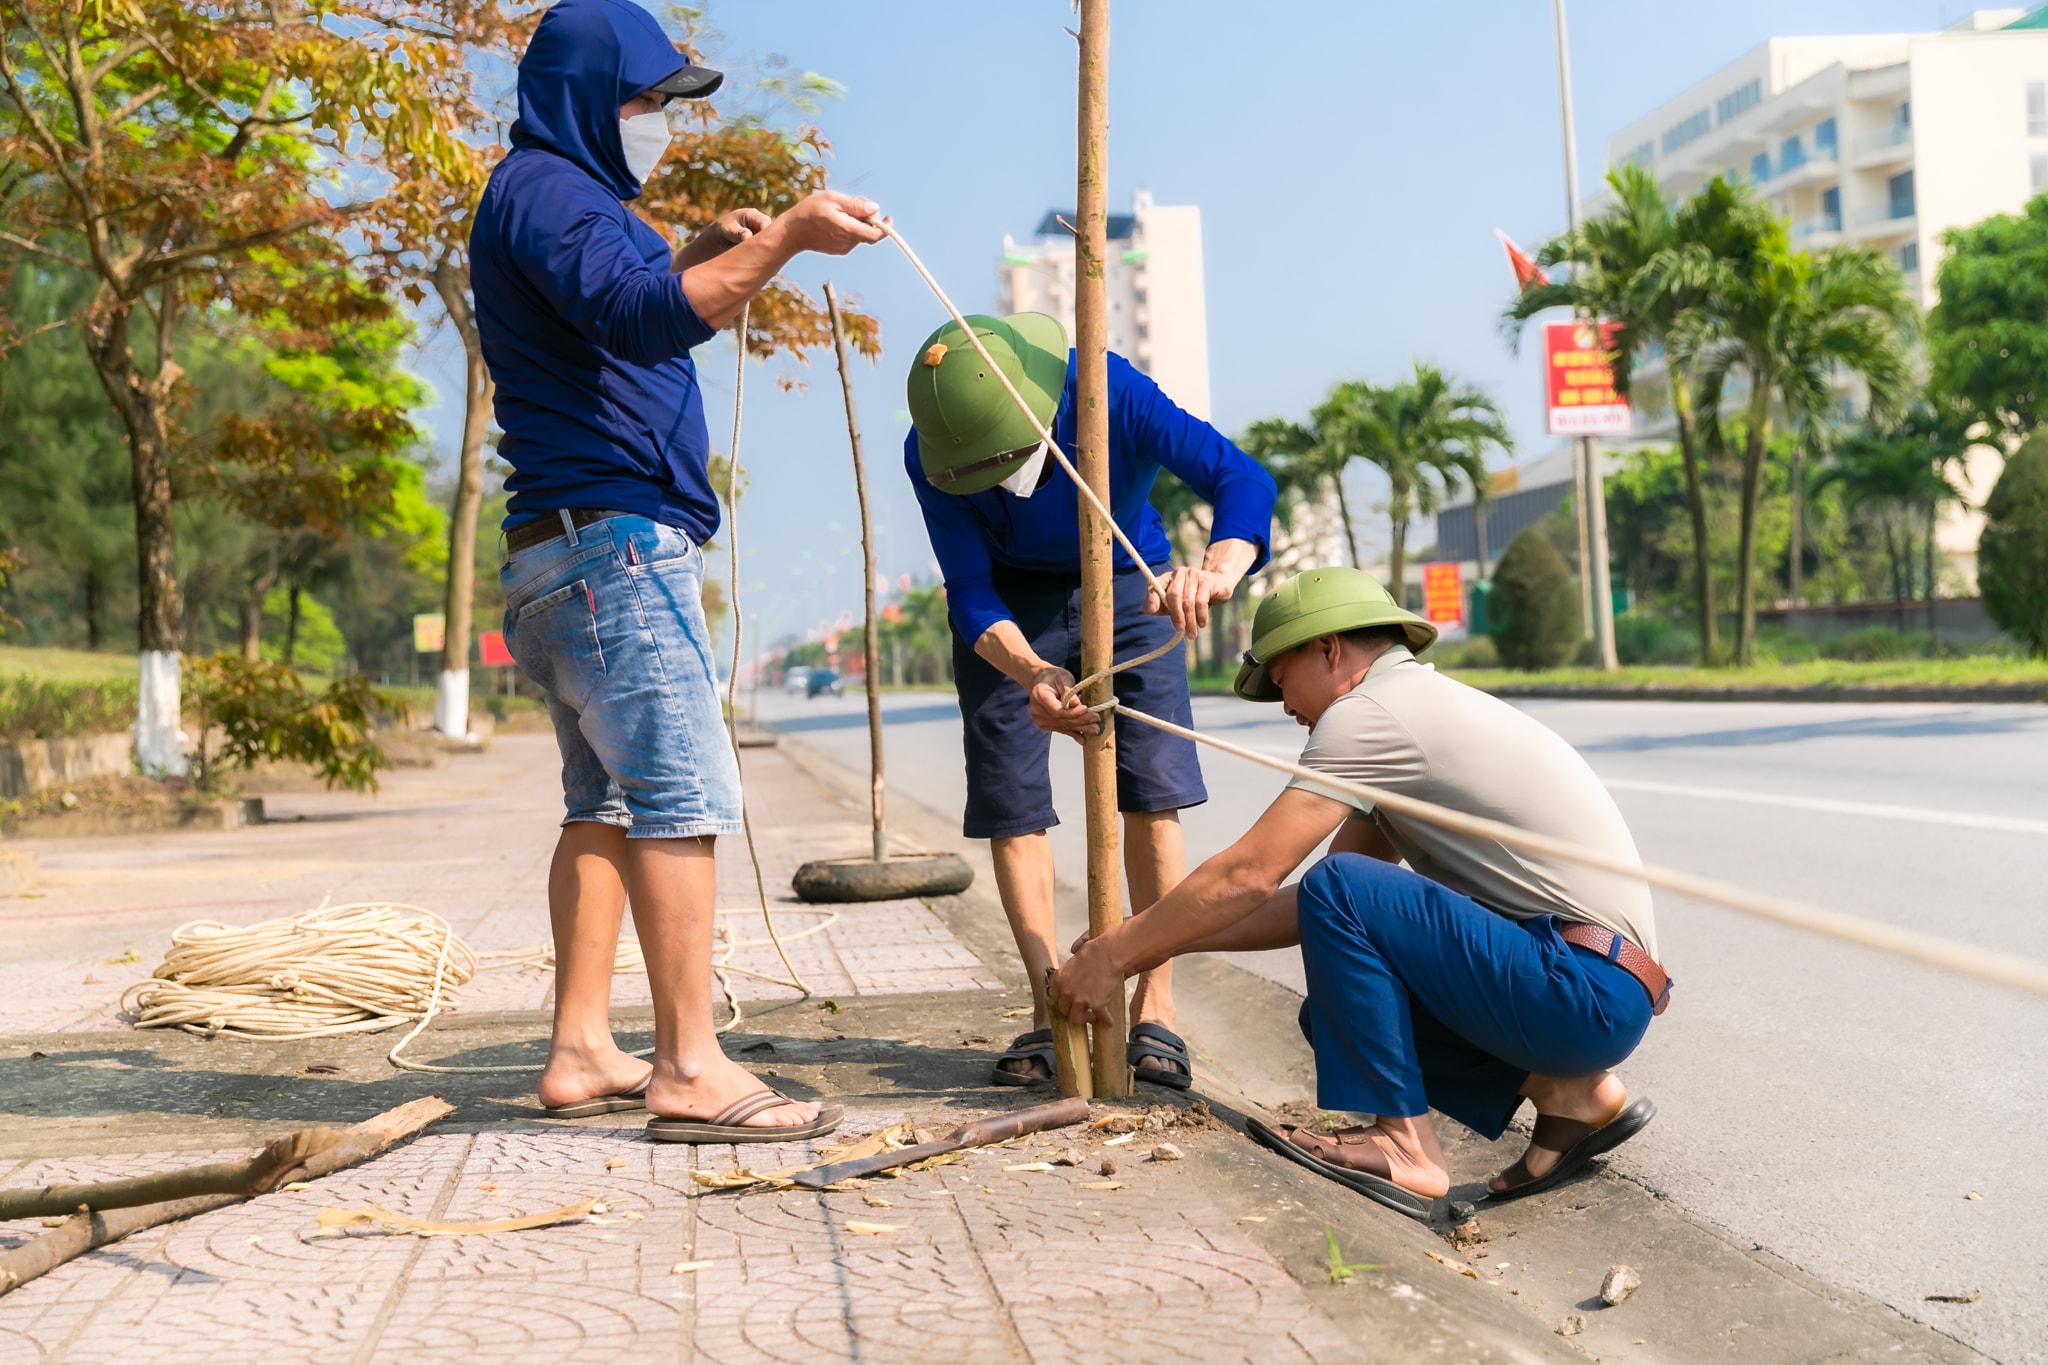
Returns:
<point x="316" y="1152"/>
<point x="334" y="1222"/>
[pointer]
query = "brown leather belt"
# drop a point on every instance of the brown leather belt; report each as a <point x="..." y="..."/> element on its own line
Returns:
<point x="548" y="526"/>
<point x="1630" y="959"/>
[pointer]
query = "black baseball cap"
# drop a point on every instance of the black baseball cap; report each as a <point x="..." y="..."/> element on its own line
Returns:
<point x="689" y="82"/>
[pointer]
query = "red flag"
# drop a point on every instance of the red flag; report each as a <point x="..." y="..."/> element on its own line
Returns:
<point x="1526" y="270"/>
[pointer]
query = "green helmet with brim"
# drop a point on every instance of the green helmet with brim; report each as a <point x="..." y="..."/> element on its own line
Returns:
<point x="970" y="435"/>
<point x="1315" y="603"/>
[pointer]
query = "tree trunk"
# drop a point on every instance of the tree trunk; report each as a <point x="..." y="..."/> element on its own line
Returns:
<point x="142" y="402"/>
<point x="1397" y="554"/>
<point x="1755" y="445"/>
<point x="1344" y="511"/>
<point x="92" y="608"/>
<point x="1927" y="579"/>
<point x="291" y="623"/>
<point x="1479" y="513"/>
<point x="451" y="703"/>
<point x="1696" y="507"/>
<point x="253" y="598"/>
<point x="1798" y="547"/>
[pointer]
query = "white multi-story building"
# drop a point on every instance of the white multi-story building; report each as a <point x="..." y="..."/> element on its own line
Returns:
<point x="1883" y="141"/>
<point x="1158" y="319"/>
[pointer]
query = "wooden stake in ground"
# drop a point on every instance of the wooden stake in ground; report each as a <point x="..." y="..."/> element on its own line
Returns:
<point x="1098" y="564"/>
<point x="867" y="554"/>
<point x="145" y="1201"/>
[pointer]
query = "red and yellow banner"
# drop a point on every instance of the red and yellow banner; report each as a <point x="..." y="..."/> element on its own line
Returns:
<point x="1443" y="595"/>
<point x="1578" y="383"/>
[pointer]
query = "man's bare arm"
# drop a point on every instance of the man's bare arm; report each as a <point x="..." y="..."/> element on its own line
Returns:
<point x="1362" y="834"/>
<point x="1003" y="645"/>
<point x="826" y="222"/>
<point x="1225" y="890"/>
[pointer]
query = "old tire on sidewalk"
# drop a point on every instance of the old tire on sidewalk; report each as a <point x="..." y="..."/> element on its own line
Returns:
<point x="905" y="876"/>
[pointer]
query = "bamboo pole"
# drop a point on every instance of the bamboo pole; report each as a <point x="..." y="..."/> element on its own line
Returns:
<point x="305" y="1155"/>
<point x="1098" y="567"/>
<point x="872" y="637"/>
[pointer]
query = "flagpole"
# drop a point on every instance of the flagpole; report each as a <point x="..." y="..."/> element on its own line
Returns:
<point x="1594" y="579"/>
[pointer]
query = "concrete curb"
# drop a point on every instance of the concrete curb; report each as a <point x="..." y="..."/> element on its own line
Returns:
<point x="1850" y="692"/>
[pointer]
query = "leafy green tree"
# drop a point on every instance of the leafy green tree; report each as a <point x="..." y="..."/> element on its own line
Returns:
<point x="1652" y="266"/>
<point x="2012" y="555"/>
<point x="1534" y="608"/>
<point x="1987" y="340"/>
<point x="1307" y="461"/>
<point x="1428" y="434"/>
<point x="1788" y="327"/>
<point x="1899" y="479"/>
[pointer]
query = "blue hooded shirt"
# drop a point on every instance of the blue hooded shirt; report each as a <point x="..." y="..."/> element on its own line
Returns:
<point x="585" y="328"/>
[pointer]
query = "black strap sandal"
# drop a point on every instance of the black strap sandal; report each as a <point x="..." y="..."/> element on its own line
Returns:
<point x="1576" y="1143"/>
<point x="1025" y="1047"/>
<point x="1162" y="1044"/>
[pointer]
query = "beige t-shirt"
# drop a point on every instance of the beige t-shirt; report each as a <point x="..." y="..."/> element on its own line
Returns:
<point x="1410" y="730"/>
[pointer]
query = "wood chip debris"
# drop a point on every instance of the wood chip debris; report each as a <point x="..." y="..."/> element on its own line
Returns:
<point x="1253" y="1218"/>
<point x="874" y="1229"/>
<point x="876" y="1202"/>
<point x="1120" y="1141"/>
<point x="1449" y="1264"/>
<point x="1621" y="1282"/>
<point x="334" y="1221"/>
<point x="1031" y="1166"/>
<point x="617" y="1163"/>
<point x="1104" y="1185"/>
<point x="1971" y="1297"/>
<point x="690" y="1267"/>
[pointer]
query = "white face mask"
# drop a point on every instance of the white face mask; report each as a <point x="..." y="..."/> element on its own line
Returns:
<point x="1024" y="482"/>
<point x="644" y="137"/>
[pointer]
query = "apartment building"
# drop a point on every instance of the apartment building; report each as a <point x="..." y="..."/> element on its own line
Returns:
<point x="1158" y="319"/>
<point x="1881" y="140"/>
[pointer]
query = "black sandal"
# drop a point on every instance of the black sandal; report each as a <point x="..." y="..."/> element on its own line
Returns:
<point x="1025" y="1047"/>
<point x="1159" y="1043"/>
<point x="1576" y="1144"/>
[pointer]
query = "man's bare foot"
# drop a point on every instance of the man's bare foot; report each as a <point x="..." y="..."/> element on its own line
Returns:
<point x="1594" y="1100"/>
<point x="697" y="1092"/>
<point x="574" y="1074"/>
<point x="1032" y="1067"/>
<point x="1401" y="1152"/>
<point x="1164" y="1018"/>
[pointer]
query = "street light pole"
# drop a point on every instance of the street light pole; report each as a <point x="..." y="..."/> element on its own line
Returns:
<point x="1594" y="580"/>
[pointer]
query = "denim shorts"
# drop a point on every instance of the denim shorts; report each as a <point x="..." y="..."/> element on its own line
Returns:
<point x="609" y="622"/>
<point x="1009" y="780"/>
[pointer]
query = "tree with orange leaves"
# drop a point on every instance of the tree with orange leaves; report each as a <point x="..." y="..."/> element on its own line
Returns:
<point x="194" y="155"/>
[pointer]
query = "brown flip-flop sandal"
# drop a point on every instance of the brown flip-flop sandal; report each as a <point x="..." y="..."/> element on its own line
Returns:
<point x="633" y="1098"/>
<point x="1576" y="1143"/>
<point x="730" y="1123"/>
<point x="1369" y="1177"/>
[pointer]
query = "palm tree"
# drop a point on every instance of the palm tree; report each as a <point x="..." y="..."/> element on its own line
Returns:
<point x="1428" y="434"/>
<point x="1648" y="266"/>
<point x="1787" y="327"/>
<point x="1901" y="476"/>
<point x="1304" y="460"/>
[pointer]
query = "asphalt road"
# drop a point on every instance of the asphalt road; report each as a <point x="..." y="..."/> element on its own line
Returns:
<point x="1833" y="1105"/>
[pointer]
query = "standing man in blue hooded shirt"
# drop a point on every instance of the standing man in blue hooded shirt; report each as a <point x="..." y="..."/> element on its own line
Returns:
<point x="587" y="321"/>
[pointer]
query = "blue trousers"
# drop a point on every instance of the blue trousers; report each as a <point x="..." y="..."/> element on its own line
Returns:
<point x="1421" y="998"/>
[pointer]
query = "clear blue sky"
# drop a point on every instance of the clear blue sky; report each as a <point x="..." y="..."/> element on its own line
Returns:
<point x="1351" y="160"/>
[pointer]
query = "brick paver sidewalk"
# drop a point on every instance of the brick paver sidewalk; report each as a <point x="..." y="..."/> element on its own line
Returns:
<point x="976" y="1262"/>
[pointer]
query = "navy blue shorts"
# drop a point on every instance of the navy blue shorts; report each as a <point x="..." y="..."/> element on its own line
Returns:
<point x="1009" y="781"/>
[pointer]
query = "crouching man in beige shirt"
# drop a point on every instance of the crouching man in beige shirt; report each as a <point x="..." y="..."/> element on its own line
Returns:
<point x="1469" y="980"/>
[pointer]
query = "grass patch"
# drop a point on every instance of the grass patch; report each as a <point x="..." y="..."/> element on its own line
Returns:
<point x="37" y="708"/>
<point x="1974" y="671"/>
<point x="65" y="665"/>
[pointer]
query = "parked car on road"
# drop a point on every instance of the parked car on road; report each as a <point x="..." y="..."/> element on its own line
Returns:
<point x="796" y="682"/>
<point x="823" y="682"/>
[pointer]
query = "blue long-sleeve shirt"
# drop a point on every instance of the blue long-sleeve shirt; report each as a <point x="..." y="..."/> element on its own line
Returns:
<point x="973" y="534"/>
<point x="585" y="328"/>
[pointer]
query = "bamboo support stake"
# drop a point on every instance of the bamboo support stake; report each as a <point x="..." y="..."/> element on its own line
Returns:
<point x="1098" y="565"/>
<point x="1069" y="1048"/>
<point x="867" y="552"/>
<point x="305" y="1155"/>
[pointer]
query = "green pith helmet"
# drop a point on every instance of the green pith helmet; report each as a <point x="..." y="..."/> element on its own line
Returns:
<point x="966" y="424"/>
<point x="1314" y="603"/>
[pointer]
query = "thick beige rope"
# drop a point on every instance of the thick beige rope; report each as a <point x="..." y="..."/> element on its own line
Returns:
<point x="1045" y="435"/>
<point x="2004" y="969"/>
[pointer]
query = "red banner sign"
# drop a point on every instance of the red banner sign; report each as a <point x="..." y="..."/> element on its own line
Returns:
<point x="1578" y="383"/>
<point x="1443" y="595"/>
<point x="491" y="645"/>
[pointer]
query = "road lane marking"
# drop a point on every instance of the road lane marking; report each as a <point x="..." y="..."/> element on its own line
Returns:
<point x="1919" y="815"/>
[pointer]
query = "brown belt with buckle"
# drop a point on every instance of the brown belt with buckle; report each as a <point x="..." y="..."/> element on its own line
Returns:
<point x="548" y="526"/>
<point x="1630" y="959"/>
